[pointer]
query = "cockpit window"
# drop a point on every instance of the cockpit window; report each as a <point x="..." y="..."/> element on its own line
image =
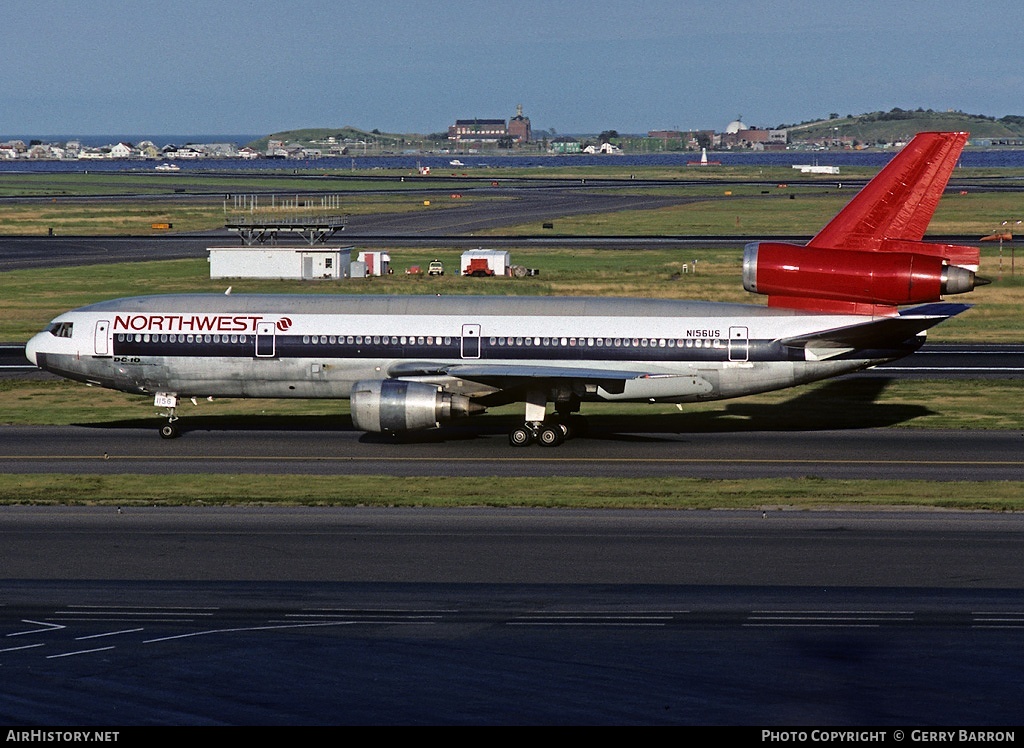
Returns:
<point x="62" y="329"/>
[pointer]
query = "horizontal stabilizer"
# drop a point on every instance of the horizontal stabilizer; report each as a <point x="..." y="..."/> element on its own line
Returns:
<point x="945" y="310"/>
<point x="882" y="333"/>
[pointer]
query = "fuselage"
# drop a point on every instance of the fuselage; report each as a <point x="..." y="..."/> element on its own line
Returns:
<point x="318" y="346"/>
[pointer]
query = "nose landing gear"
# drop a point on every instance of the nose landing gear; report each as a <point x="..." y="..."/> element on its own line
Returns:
<point x="169" y="430"/>
<point x="169" y="401"/>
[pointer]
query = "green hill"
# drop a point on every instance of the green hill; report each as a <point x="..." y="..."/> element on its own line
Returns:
<point x="321" y="137"/>
<point x="902" y="124"/>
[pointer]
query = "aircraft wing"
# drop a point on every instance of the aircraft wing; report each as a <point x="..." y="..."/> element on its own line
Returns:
<point x="881" y="333"/>
<point x="900" y="201"/>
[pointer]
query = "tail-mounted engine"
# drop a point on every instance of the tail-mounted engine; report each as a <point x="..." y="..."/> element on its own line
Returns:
<point x="850" y="280"/>
<point x="394" y="405"/>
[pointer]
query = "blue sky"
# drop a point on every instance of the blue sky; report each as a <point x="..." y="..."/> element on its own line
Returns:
<point x="260" y="66"/>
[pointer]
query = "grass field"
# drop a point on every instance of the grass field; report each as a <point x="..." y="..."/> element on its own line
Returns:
<point x="577" y="493"/>
<point x="80" y="217"/>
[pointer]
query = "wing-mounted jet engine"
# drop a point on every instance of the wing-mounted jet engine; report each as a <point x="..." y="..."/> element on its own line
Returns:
<point x="395" y="405"/>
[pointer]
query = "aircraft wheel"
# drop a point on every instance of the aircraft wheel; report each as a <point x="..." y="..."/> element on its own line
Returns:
<point x="564" y="424"/>
<point x="169" y="431"/>
<point x="520" y="436"/>
<point x="551" y="436"/>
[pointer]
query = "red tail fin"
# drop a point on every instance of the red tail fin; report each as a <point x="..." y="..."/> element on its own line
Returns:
<point x="900" y="201"/>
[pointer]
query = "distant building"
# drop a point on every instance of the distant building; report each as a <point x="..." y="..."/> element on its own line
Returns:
<point x="478" y="131"/>
<point x="735" y="126"/>
<point x="45" y="151"/>
<point x="565" y="144"/>
<point x="305" y="263"/>
<point x="739" y="135"/>
<point x="147" y="149"/>
<point x="181" y="153"/>
<point x="219" y="150"/>
<point x="605" y="148"/>
<point x="93" y="154"/>
<point x="121" y="150"/>
<point x="519" y="127"/>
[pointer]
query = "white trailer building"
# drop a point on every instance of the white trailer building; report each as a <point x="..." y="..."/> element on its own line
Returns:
<point x="485" y="262"/>
<point x="303" y="263"/>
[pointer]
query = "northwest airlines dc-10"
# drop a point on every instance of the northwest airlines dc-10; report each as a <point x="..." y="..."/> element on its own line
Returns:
<point x="413" y="363"/>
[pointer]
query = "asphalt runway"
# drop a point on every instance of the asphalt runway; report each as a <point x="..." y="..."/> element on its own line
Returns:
<point x="326" y="446"/>
<point x="207" y="616"/>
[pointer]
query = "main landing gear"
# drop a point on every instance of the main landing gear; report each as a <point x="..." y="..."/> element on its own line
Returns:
<point x="547" y="430"/>
<point x="544" y="433"/>
<point x="548" y="433"/>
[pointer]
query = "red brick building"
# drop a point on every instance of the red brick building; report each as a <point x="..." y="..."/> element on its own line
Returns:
<point x="478" y="131"/>
<point x="519" y="127"/>
<point x="491" y="131"/>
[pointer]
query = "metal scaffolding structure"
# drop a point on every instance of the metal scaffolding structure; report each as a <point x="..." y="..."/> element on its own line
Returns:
<point x="294" y="216"/>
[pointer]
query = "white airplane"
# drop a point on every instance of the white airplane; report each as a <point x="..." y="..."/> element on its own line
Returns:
<point x="413" y="363"/>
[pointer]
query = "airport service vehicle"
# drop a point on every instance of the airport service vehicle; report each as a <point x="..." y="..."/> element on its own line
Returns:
<point x="435" y="268"/>
<point x="863" y="291"/>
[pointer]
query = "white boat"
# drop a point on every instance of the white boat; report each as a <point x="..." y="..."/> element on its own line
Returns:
<point x="168" y="167"/>
<point x="455" y="162"/>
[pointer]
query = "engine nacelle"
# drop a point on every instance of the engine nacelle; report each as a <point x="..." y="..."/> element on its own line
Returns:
<point x="394" y="406"/>
<point x="862" y="277"/>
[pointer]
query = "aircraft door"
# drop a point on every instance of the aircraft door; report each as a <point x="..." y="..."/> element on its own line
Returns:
<point x="102" y="338"/>
<point x="739" y="344"/>
<point x="266" y="342"/>
<point x="471" y="341"/>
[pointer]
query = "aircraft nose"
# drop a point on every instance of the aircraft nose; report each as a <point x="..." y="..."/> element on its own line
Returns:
<point x="31" y="348"/>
